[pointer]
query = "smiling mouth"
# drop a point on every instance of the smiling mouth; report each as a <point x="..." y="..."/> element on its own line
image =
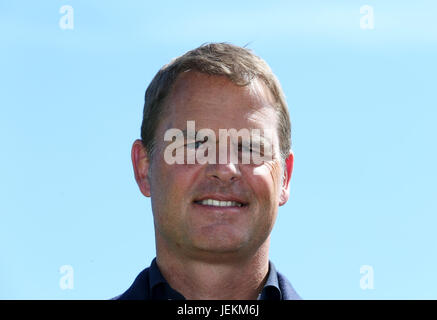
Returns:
<point x="219" y="203"/>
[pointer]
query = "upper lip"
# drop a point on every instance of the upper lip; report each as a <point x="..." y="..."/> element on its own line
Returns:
<point x="221" y="197"/>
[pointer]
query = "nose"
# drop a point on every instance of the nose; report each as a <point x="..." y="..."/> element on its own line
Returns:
<point x="223" y="173"/>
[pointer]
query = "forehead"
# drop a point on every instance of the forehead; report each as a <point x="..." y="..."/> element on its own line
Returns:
<point x="200" y="96"/>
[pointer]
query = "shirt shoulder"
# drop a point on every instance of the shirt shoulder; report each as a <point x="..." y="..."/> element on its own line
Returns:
<point x="138" y="289"/>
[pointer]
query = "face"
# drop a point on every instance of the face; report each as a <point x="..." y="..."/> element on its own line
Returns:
<point x="184" y="218"/>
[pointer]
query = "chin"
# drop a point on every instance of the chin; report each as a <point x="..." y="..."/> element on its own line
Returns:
<point x="220" y="241"/>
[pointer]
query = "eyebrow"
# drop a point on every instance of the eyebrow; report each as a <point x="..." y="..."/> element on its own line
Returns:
<point x="262" y="138"/>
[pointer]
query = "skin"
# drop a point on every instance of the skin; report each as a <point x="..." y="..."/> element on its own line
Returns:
<point x="214" y="252"/>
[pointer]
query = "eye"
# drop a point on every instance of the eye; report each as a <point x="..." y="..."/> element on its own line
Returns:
<point x="196" y="144"/>
<point x="246" y="148"/>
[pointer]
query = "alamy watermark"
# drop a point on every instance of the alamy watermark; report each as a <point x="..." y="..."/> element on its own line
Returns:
<point x="67" y="279"/>
<point x="367" y="21"/>
<point x="366" y="281"/>
<point x="67" y="20"/>
<point x="190" y="146"/>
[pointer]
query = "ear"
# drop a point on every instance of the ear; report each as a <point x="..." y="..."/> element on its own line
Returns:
<point x="285" y="187"/>
<point x="141" y="163"/>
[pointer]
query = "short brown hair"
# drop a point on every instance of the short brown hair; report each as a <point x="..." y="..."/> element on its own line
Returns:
<point x="238" y="64"/>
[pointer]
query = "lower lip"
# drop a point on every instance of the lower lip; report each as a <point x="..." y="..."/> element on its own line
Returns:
<point x="222" y="209"/>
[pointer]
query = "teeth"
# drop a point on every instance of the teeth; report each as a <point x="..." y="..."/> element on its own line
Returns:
<point x="217" y="203"/>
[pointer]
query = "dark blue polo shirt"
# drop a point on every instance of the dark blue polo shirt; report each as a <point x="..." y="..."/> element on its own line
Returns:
<point x="151" y="285"/>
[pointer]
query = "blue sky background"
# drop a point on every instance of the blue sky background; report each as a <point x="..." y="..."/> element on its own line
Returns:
<point x="363" y="106"/>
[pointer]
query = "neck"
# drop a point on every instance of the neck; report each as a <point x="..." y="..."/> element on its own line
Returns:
<point x="226" y="277"/>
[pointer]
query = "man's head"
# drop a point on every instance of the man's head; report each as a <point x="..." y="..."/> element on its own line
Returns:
<point x="238" y="64"/>
<point x="219" y="86"/>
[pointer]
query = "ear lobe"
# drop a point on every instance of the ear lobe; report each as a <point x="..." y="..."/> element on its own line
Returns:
<point x="285" y="187"/>
<point x="141" y="163"/>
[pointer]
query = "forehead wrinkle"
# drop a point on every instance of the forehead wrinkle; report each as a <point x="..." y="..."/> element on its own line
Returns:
<point x="187" y="84"/>
<point x="255" y="98"/>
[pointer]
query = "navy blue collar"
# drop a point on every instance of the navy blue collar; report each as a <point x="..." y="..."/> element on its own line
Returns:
<point x="159" y="288"/>
<point x="271" y="289"/>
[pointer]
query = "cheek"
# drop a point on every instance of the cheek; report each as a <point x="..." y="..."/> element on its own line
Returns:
<point x="170" y="184"/>
<point x="265" y="180"/>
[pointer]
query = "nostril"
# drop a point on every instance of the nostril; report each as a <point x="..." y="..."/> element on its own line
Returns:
<point x="223" y="173"/>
